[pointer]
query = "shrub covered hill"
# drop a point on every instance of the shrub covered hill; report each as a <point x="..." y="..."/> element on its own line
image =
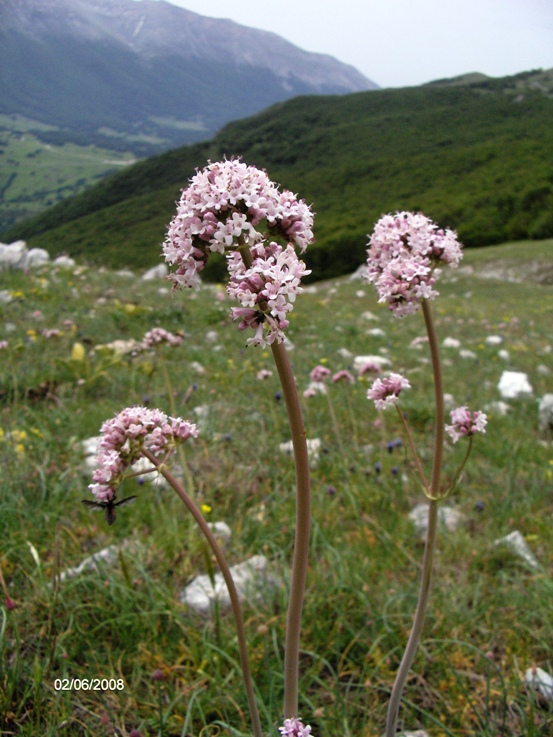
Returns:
<point x="472" y="153"/>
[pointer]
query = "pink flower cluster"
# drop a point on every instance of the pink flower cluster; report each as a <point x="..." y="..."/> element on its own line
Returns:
<point x="465" y="423"/>
<point x="160" y="335"/>
<point x="320" y="373"/>
<point x="126" y="436"/>
<point x="405" y="251"/>
<point x="220" y="212"/>
<point x="266" y="290"/>
<point x="385" y="392"/>
<point x="294" y="728"/>
<point x="225" y="202"/>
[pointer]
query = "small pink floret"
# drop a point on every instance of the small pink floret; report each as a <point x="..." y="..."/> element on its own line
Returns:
<point x="294" y="728"/>
<point x="385" y="392"/>
<point x="465" y="423"/>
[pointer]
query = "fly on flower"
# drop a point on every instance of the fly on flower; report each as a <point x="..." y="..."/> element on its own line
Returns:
<point x="109" y="506"/>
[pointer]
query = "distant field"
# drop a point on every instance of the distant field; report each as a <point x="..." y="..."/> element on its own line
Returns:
<point x="35" y="175"/>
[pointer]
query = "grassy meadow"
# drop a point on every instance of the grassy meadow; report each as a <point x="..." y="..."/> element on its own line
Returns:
<point x="490" y="616"/>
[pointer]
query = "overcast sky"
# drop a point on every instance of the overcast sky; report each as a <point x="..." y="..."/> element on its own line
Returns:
<point x="398" y="43"/>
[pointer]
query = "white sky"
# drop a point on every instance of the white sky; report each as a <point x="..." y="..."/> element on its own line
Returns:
<point x="398" y="43"/>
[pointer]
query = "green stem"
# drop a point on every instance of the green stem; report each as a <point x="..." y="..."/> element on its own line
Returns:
<point x="430" y="544"/>
<point x="418" y="463"/>
<point x="233" y="594"/>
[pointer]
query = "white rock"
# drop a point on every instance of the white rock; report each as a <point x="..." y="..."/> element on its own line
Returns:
<point x="197" y="368"/>
<point x="465" y="353"/>
<point x="360" y="361"/>
<point x="359" y="273"/>
<point x="253" y="581"/>
<point x="369" y="316"/>
<point x="211" y="336"/>
<point x="451" y="343"/>
<point x="504" y="354"/>
<point x="90" y="449"/>
<point x="221" y="531"/>
<point x="36" y="257"/>
<point x="540" y="681"/>
<point x="494" y="340"/>
<point x="377" y="332"/>
<point x="344" y="353"/>
<point x="543" y="370"/>
<point x="157" y="272"/>
<point x="416" y="733"/>
<point x="313" y="450"/>
<point x="499" y="408"/>
<point x="5" y="296"/>
<point x="64" y="262"/>
<point x="450" y="517"/>
<point x="518" y="545"/>
<point x="107" y="555"/>
<point x="13" y="256"/>
<point x="545" y="412"/>
<point x="125" y="273"/>
<point x="514" y="384"/>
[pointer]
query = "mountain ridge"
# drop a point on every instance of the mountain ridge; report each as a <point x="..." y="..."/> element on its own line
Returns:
<point x="474" y="157"/>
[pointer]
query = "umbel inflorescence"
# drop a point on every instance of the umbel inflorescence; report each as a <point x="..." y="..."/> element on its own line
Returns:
<point x="236" y="210"/>
<point x="405" y="255"/>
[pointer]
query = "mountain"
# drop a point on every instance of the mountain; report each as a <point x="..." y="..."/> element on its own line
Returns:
<point x="148" y="67"/>
<point x="475" y="157"/>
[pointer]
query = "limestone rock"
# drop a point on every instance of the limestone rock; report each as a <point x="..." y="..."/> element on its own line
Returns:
<point x="514" y="384"/>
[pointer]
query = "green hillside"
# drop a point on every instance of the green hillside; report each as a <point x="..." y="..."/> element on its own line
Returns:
<point x="477" y="157"/>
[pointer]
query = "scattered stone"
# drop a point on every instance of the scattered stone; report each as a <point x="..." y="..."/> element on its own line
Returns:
<point x="313" y="450"/>
<point x="451" y="343"/>
<point x="197" y="368"/>
<point x="543" y="370"/>
<point x="416" y="733"/>
<point x="108" y="556"/>
<point x="465" y="353"/>
<point x="344" y="353"/>
<point x="360" y="361"/>
<point x="221" y="531"/>
<point x="514" y="384"/>
<point x="36" y="257"/>
<point x="516" y="542"/>
<point x="369" y="316"/>
<point x="64" y="262"/>
<point x="157" y="272"/>
<point x="499" y="408"/>
<point x="125" y="273"/>
<point x="5" y="296"/>
<point x="545" y="412"/>
<point x="13" y="256"/>
<point x="211" y="336"/>
<point x="360" y="272"/>
<point x="121" y="347"/>
<point x="504" y="354"/>
<point x="449" y="517"/>
<point x="377" y="332"/>
<point x="253" y="581"/>
<point x="494" y="340"/>
<point x="540" y="681"/>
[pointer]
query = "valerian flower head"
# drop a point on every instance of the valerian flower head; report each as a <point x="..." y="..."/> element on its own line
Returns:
<point x="406" y="251"/>
<point x="125" y="436"/>
<point x="343" y="376"/>
<point x="385" y="392"/>
<point x="230" y="207"/>
<point x="266" y="290"/>
<point x="294" y="728"/>
<point x="157" y="336"/>
<point x="223" y="206"/>
<point x="465" y="423"/>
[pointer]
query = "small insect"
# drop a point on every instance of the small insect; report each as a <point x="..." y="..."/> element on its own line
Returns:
<point x="109" y="506"/>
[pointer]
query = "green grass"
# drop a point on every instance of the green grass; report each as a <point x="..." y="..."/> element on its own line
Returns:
<point x="490" y="616"/>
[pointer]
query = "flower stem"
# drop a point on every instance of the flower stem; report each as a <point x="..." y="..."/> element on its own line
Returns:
<point x="303" y="522"/>
<point x="303" y="517"/>
<point x="430" y="544"/>
<point x="233" y="594"/>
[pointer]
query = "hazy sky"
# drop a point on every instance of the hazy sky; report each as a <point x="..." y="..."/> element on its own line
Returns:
<point x="406" y="42"/>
